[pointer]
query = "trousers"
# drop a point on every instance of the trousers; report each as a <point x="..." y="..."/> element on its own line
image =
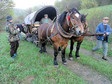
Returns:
<point x="14" y="47"/>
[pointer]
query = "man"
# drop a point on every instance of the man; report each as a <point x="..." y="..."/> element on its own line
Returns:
<point x="22" y="29"/>
<point x="45" y="19"/>
<point x="103" y="40"/>
<point x="13" y="36"/>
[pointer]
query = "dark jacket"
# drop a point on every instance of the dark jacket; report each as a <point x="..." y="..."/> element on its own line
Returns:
<point x="22" y="29"/>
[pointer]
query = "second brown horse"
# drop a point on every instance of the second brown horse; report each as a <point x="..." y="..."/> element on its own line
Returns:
<point x="79" y="40"/>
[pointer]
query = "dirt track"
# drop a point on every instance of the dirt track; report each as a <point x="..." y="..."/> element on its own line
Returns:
<point x="86" y="73"/>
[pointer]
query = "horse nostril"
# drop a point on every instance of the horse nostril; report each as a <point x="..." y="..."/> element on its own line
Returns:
<point x="79" y="32"/>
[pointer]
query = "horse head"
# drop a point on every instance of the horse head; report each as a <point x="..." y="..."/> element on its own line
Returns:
<point x="74" y="21"/>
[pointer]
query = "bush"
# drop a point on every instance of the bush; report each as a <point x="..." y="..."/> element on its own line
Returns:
<point x="86" y="4"/>
<point x="6" y="8"/>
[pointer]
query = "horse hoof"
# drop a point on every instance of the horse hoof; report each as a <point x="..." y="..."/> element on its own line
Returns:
<point x="65" y="63"/>
<point x="78" y="58"/>
<point x="45" y="51"/>
<point x="71" y="58"/>
<point x="40" y="51"/>
<point x="56" y="66"/>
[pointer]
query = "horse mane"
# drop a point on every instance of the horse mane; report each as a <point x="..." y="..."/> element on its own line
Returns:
<point x="82" y="15"/>
<point x="74" y="10"/>
<point x="61" y="17"/>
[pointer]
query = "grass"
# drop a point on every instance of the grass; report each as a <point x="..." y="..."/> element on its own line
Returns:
<point x="31" y="67"/>
<point x="103" y="67"/>
<point x="105" y="9"/>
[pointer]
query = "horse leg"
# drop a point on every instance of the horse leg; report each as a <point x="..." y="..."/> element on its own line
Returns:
<point x="63" y="54"/>
<point x="41" y="48"/>
<point x="71" y="49"/>
<point x="55" y="55"/>
<point x="44" y="47"/>
<point x="77" y="50"/>
<point x="59" y="49"/>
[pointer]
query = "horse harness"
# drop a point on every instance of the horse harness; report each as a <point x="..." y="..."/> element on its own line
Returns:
<point x="60" y="30"/>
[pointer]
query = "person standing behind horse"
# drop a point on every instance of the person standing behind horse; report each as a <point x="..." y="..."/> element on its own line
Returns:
<point x="22" y="29"/>
<point x="103" y="40"/>
<point x="46" y="19"/>
<point x="13" y="36"/>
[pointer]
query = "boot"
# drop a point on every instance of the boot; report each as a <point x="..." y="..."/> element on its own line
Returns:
<point x="13" y="57"/>
<point x="104" y="58"/>
<point x="15" y="54"/>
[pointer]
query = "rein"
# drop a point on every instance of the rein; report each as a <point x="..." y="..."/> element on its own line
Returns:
<point x="49" y="38"/>
<point x="96" y="34"/>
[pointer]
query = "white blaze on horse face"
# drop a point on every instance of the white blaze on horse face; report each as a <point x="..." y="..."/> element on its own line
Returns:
<point x="77" y="15"/>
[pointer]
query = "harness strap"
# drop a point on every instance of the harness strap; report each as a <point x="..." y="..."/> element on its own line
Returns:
<point x="64" y="30"/>
<point x="61" y="33"/>
<point x="49" y="38"/>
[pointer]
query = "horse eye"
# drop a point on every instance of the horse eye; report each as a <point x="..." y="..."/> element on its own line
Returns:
<point x="72" y="17"/>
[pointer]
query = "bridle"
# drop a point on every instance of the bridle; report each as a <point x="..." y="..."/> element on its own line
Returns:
<point x="71" y="32"/>
<point x="85" y="27"/>
<point x="68" y="19"/>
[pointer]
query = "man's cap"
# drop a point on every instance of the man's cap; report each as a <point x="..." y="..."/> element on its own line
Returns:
<point x="106" y="18"/>
<point x="46" y="15"/>
<point x="23" y="23"/>
<point x="9" y="18"/>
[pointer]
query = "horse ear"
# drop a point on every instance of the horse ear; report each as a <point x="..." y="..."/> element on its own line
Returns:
<point x="76" y="8"/>
<point x="69" y="10"/>
<point x="85" y="15"/>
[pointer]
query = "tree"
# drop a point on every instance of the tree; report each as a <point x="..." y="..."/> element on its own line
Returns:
<point x="20" y="14"/>
<point x="104" y="2"/>
<point x="86" y="4"/>
<point x="35" y="8"/>
<point x="6" y="8"/>
<point x="61" y="5"/>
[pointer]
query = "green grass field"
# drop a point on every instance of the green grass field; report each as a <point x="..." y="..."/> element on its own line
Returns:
<point x="31" y="67"/>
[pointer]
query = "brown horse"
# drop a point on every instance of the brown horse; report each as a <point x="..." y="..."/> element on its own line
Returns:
<point x="60" y="32"/>
<point x="79" y="40"/>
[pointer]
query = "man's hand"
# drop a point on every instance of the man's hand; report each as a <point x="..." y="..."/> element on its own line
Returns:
<point x="103" y="34"/>
<point x="107" y="33"/>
